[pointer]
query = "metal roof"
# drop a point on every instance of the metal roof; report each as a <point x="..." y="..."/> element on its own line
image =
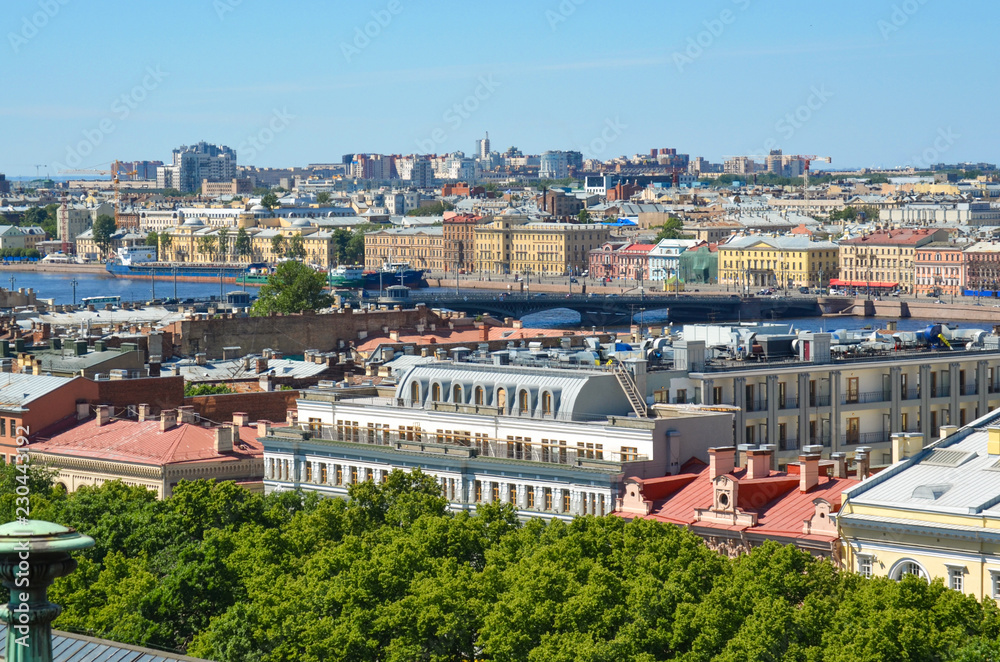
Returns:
<point x="19" y="389"/>
<point x="67" y="647"/>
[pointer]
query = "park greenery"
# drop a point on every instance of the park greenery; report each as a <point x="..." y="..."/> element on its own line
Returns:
<point x="672" y="229"/>
<point x="433" y="209"/>
<point x="191" y="389"/>
<point x="103" y="230"/>
<point x="292" y="288"/>
<point x="393" y="575"/>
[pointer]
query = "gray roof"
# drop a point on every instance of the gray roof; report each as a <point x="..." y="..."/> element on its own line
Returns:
<point x="238" y="369"/>
<point x="67" y="647"/>
<point x="955" y="475"/>
<point x="19" y="389"/>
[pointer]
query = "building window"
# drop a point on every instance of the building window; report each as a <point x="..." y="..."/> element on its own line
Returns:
<point x="956" y="579"/>
<point x="479" y="395"/>
<point x="630" y="454"/>
<point x="354" y="475"/>
<point x="546" y="403"/>
<point x="3" y="427"/>
<point x="415" y="392"/>
<point x="512" y="494"/>
<point x="865" y="566"/>
<point x="435" y="392"/>
<point x="309" y="472"/>
<point x="548" y="498"/>
<point x="531" y="496"/>
<point x="339" y="474"/>
<point x="565" y="501"/>
<point x="522" y="402"/>
<point x="456" y="394"/>
<point x="502" y="400"/>
<point x="479" y="491"/>
<point x="322" y="474"/>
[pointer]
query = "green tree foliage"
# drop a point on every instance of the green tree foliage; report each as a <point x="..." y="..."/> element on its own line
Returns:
<point x="672" y="229"/>
<point x="322" y="197"/>
<point x="269" y="201"/>
<point x="434" y="209"/>
<point x="583" y="216"/>
<point x="292" y="288"/>
<point x="104" y="228"/>
<point x="278" y="245"/>
<point x="191" y="389"/>
<point x="390" y="574"/>
<point x="296" y="247"/>
<point x="243" y="244"/>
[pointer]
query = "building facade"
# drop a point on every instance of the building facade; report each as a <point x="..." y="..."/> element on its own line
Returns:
<point x="459" y="243"/>
<point x="786" y="262"/>
<point x="422" y="248"/>
<point x="885" y="257"/>
<point x="939" y="269"/>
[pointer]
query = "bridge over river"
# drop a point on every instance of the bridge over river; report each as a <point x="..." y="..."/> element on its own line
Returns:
<point x="618" y="310"/>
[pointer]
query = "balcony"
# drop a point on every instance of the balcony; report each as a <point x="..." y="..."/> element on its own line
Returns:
<point x="911" y="394"/>
<point x="865" y="398"/>
<point x="788" y="402"/>
<point x="969" y="389"/>
<point x="757" y="405"/>
<point x="864" y="438"/>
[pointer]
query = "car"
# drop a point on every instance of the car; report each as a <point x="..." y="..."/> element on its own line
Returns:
<point x="803" y="290"/>
<point x="573" y="280"/>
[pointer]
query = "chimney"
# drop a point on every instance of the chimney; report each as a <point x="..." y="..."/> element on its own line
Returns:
<point x="103" y="415"/>
<point x="260" y="365"/>
<point x="291" y="417"/>
<point x="906" y="444"/>
<point x="758" y="463"/>
<point x="201" y="358"/>
<point x="948" y="430"/>
<point x="168" y="419"/>
<point x="82" y="411"/>
<point x="485" y="337"/>
<point x="839" y="464"/>
<point x="145" y="413"/>
<point x="241" y="418"/>
<point x="154" y="368"/>
<point x="721" y="461"/>
<point x="263" y="428"/>
<point x="223" y="439"/>
<point x="808" y="471"/>
<point x="862" y="461"/>
<point x="186" y="414"/>
<point x="993" y="440"/>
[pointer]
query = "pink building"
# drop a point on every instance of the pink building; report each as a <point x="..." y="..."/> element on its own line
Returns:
<point x="621" y="260"/>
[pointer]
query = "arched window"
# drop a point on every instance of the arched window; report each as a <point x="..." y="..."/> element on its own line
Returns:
<point x="502" y="399"/>
<point x="907" y="567"/>
<point x="479" y="395"/>
<point x="522" y="402"/>
<point x="546" y="403"/>
<point x="436" y="393"/>
<point x="456" y="393"/>
<point x="414" y="391"/>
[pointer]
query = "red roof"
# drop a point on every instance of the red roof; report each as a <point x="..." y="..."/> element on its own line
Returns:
<point x="468" y="336"/>
<point x="780" y="507"/>
<point x="143" y="443"/>
<point x="893" y="237"/>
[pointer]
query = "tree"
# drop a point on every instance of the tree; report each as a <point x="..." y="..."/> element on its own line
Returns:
<point x="104" y="229"/>
<point x="292" y="288"/>
<point x="322" y="197"/>
<point x="152" y="238"/>
<point x="243" y="245"/>
<point x="583" y="216"/>
<point x="671" y="230"/>
<point x="191" y="389"/>
<point x="278" y="245"/>
<point x="208" y="245"/>
<point x="269" y="201"/>
<point x="296" y="247"/>
<point x="224" y="243"/>
<point x="166" y="240"/>
<point x="434" y="209"/>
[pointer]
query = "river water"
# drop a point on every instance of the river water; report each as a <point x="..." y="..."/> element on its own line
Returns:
<point x="58" y="286"/>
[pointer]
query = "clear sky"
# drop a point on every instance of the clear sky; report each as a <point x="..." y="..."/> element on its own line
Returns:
<point x="868" y="83"/>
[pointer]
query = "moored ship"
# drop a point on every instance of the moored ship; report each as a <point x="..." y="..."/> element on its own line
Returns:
<point x="141" y="262"/>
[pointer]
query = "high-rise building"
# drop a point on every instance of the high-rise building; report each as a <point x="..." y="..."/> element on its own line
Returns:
<point x="422" y="174"/>
<point x="483" y="147"/>
<point x="4" y="184"/>
<point x="554" y="165"/>
<point x="194" y="164"/>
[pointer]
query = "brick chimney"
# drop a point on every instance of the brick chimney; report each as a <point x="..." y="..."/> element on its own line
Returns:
<point x="103" y="415"/>
<point x="145" y="413"/>
<point x="263" y="428"/>
<point x="808" y="471"/>
<point x="721" y="461"/>
<point x="260" y="364"/>
<point x="168" y="419"/>
<point x="758" y="463"/>
<point x="186" y="414"/>
<point x="862" y="461"/>
<point x="223" y="439"/>
<point x="839" y="464"/>
<point x="241" y="418"/>
<point x="291" y="416"/>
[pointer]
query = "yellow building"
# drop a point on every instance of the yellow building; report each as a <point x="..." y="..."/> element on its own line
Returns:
<point x="884" y="259"/>
<point x="514" y="244"/>
<point x="935" y="513"/>
<point x="194" y="241"/>
<point x="790" y="261"/>
<point x="421" y="247"/>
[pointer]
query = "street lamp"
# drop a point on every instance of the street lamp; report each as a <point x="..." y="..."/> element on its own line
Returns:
<point x="73" y="283"/>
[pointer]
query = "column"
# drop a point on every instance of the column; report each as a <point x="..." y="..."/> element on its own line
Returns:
<point x="982" y="388"/>
<point x="739" y="400"/>
<point x="772" y="409"/>
<point x="955" y="390"/>
<point x="925" y="401"/>
<point x="835" y="394"/>
<point x="504" y="492"/>
<point x="895" y="399"/>
<point x="522" y="496"/>
<point x="707" y="396"/>
<point x="803" y="394"/>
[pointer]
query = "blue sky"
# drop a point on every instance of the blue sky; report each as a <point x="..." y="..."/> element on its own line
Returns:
<point x="873" y="83"/>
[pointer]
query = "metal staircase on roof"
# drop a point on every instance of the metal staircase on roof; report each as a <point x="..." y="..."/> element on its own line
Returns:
<point x="635" y="398"/>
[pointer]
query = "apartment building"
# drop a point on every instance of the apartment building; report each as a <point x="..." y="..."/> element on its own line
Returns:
<point x="421" y="247"/>
<point x="459" y="242"/>
<point x="788" y="262"/>
<point x="664" y="257"/>
<point x="981" y="262"/>
<point x="554" y="248"/>
<point x="840" y="403"/>
<point x="939" y="269"/>
<point x="933" y="514"/>
<point x="886" y="257"/>
<point x="554" y="443"/>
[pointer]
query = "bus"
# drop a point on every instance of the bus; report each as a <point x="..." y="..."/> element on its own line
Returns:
<point x="101" y="301"/>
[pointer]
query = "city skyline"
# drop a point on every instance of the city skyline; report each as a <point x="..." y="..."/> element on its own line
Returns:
<point x="713" y="80"/>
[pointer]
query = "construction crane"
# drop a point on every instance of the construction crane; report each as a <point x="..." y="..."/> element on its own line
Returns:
<point x="117" y="169"/>
<point x="807" y="159"/>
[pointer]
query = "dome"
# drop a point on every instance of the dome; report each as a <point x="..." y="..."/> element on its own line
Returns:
<point x="258" y="208"/>
<point x="194" y="222"/>
<point x="300" y="223"/>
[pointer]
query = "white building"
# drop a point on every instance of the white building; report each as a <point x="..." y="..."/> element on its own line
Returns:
<point x="554" y="165"/>
<point x="664" y="258"/>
